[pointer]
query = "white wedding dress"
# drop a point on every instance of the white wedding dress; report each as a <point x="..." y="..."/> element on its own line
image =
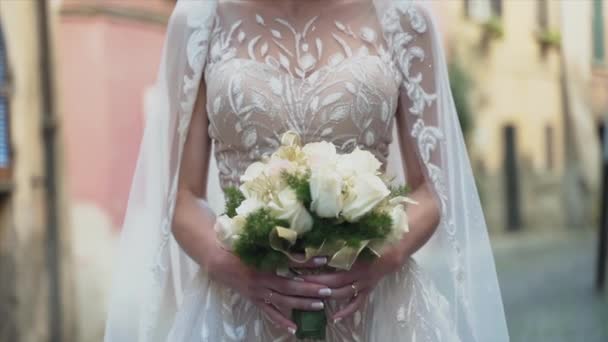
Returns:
<point x="355" y="72"/>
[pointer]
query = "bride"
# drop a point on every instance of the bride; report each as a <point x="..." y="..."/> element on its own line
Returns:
<point x="235" y="75"/>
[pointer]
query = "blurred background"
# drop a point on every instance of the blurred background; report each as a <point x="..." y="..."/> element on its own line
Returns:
<point x="529" y="77"/>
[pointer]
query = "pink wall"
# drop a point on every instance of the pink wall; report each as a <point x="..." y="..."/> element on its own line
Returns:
<point x="105" y="66"/>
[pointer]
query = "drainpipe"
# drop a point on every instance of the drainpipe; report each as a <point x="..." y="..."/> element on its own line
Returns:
<point x="48" y="133"/>
<point x="603" y="231"/>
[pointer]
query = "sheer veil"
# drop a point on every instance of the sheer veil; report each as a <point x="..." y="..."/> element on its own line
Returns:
<point x="152" y="272"/>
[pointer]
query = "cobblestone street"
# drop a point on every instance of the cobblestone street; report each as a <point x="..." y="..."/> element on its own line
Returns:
<point x="547" y="282"/>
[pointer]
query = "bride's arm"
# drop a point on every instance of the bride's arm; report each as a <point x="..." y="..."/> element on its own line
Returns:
<point x="423" y="217"/>
<point x="193" y="223"/>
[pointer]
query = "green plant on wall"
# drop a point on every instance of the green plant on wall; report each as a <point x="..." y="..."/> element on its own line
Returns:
<point x="493" y="28"/>
<point x="461" y="84"/>
<point x="549" y="38"/>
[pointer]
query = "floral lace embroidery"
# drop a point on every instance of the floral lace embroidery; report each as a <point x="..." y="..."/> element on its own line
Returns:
<point x="428" y="136"/>
<point x="349" y="99"/>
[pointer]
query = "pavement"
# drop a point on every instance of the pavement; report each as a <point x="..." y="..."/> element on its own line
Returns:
<point x="547" y="281"/>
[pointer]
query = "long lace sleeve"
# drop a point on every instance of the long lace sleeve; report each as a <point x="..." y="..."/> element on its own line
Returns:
<point x="458" y="256"/>
<point x="416" y="114"/>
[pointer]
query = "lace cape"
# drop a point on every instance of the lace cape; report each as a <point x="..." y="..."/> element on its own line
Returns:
<point x="152" y="271"/>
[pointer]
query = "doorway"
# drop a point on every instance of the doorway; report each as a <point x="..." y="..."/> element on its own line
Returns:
<point x="511" y="179"/>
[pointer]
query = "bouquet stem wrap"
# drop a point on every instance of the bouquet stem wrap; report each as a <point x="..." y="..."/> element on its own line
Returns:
<point x="311" y="324"/>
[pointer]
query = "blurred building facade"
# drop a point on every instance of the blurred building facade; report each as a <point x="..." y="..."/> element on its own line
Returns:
<point x="599" y="68"/>
<point x="108" y="55"/>
<point x="35" y="257"/>
<point x="533" y="142"/>
<point x="538" y="89"/>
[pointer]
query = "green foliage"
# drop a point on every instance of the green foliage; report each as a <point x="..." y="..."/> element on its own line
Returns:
<point x="234" y="197"/>
<point x="461" y="84"/>
<point x="300" y="184"/>
<point x="493" y="28"/>
<point x="401" y="190"/>
<point x="549" y="38"/>
<point x="253" y="244"/>
<point x="374" y="225"/>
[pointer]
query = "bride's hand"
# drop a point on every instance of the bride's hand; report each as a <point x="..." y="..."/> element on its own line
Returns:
<point x="357" y="283"/>
<point x="276" y="296"/>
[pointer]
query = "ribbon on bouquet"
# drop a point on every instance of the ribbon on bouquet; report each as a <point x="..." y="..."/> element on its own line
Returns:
<point x="339" y="254"/>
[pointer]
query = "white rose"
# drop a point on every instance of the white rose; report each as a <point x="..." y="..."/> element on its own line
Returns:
<point x="249" y="177"/>
<point x="366" y="192"/>
<point x="253" y="171"/>
<point x="358" y="161"/>
<point x="276" y="165"/>
<point x="248" y="206"/>
<point x="320" y="153"/>
<point x="287" y="207"/>
<point x="326" y="192"/>
<point x="228" y="229"/>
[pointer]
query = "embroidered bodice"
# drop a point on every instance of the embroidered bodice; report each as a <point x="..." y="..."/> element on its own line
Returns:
<point x="330" y="70"/>
<point x="326" y="75"/>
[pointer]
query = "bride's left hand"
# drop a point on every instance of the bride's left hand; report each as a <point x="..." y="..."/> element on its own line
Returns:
<point x="359" y="281"/>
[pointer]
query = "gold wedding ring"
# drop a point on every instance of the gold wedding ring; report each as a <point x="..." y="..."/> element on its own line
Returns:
<point x="355" y="288"/>
<point x="268" y="299"/>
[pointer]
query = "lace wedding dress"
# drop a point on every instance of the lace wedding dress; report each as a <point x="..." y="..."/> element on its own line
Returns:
<point x="354" y="72"/>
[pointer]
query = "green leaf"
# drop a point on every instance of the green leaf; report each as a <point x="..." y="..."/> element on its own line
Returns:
<point x="234" y="198"/>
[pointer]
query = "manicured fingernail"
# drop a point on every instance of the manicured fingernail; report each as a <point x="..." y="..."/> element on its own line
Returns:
<point x="337" y="320"/>
<point x="298" y="279"/>
<point x="291" y="330"/>
<point x="317" y="305"/>
<point x="326" y="292"/>
<point x="320" y="261"/>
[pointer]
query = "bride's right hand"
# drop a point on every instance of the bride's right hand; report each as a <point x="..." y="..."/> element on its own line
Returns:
<point x="276" y="296"/>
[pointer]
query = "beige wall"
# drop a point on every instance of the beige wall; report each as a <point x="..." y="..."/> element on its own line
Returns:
<point x="514" y="83"/>
<point x="23" y="240"/>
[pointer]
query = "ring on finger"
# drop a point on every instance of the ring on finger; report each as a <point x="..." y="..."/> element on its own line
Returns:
<point x="355" y="289"/>
<point x="268" y="298"/>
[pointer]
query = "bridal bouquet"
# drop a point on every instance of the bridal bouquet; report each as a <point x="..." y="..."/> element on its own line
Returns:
<point x="307" y="201"/>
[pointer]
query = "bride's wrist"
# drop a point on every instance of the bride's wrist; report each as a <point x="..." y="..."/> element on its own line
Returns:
<point x="395" y="259"/>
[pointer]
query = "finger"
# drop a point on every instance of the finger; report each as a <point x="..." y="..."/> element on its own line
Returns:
<point x="292" y="287"/>
<point x="278" y="318"/>
<point x="300" y="303"/>
<point x="311" y="263"/>
<point x="351" y="308"/>
<point x="336" y="279"/>
<point x="349" y="291"/>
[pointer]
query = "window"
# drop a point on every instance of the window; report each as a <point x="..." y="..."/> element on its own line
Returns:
<point x="598" y="32"/>
<point x="5" y="158"/>
<point x="482" y="10"/>
<point x="541" y="14"/>
<point x="496" y="6"/>
<point x="603" y="135"/>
